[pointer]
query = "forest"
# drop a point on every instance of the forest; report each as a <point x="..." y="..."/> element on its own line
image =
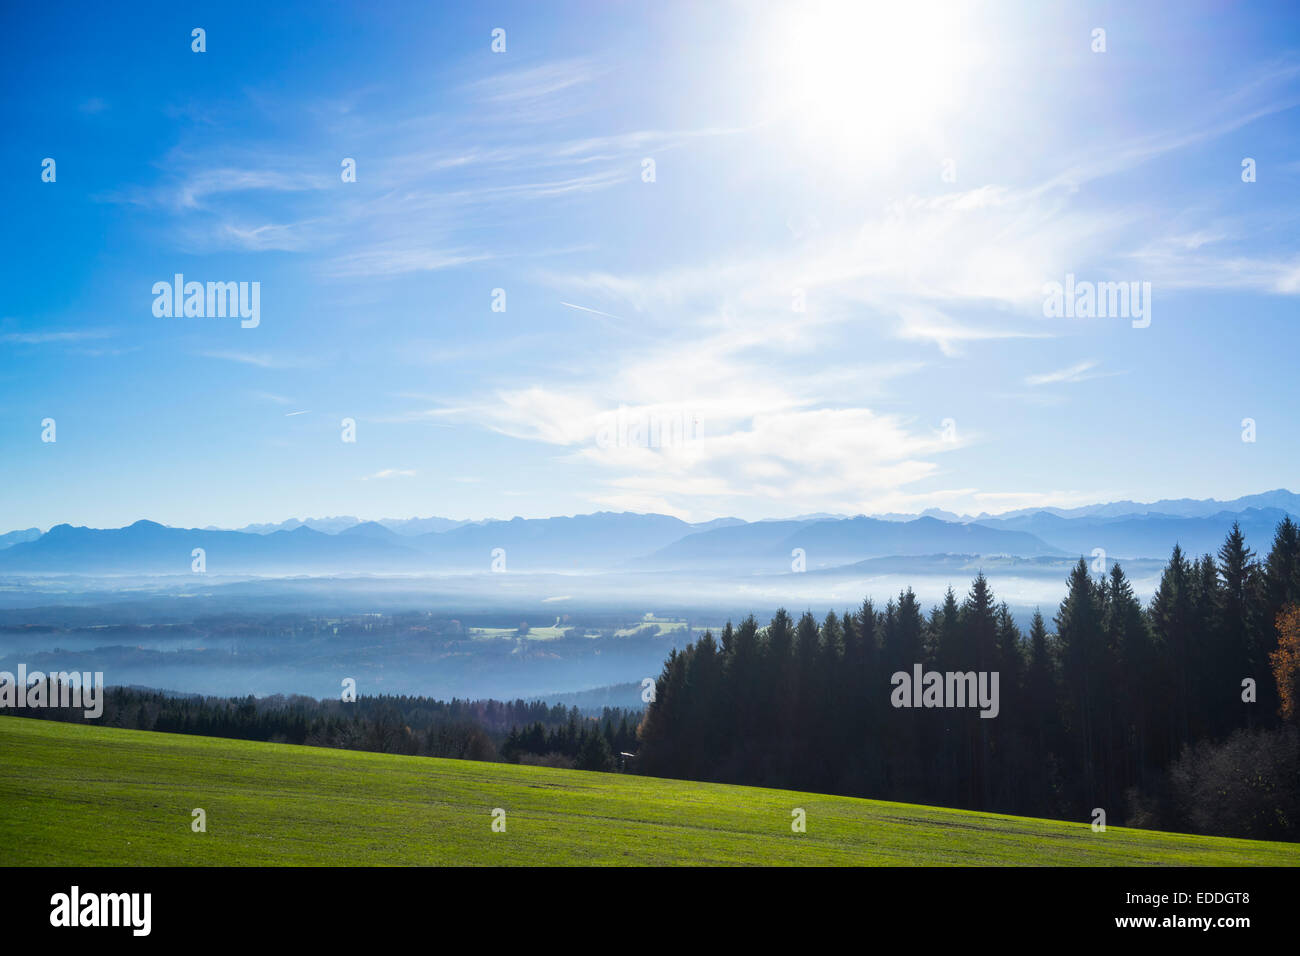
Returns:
<point x="1180" y="714"/>
<point x="516" y="731"/>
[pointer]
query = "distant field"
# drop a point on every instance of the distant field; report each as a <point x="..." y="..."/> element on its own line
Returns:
<point x="664" y="627"/>
<point x="534" y="633"/>
<point x="78" y="795"/>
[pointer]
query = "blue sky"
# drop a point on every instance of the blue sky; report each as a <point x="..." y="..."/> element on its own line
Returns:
<point x="853" y="215"/>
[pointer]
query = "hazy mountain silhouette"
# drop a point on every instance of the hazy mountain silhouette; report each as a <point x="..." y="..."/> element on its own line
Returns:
<point x="627" y="541"/>
<point x="18" y="537"/>
<point x="769" y="545"/>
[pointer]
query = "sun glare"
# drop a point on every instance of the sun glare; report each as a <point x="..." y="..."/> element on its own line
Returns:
<point x="852" y="79"/>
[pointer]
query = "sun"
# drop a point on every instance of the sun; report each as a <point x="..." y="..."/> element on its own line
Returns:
<point x="859" y="80"/>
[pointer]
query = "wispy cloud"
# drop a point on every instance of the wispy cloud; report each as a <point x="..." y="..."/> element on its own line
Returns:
<point x="929" y="324"/>
<point x="390" y="473"/>
<point x="1081" y="372"/>
<point x="272" y="397"/>
<point x="258" y="359"/>
<point x="526" y="85"/>
<point x="47" y="338"/>
<point x="394" y="260"/>
<point x="285" y="237"/>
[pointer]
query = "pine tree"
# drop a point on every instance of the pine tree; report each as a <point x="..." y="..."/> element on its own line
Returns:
<point x="1082" y="642"/>
<point x="979" y="626"/>
<point x="1137" y="676"/>
<point x="949" y="651"/>
<point x="1240" y="650"/>
<point x="593" y="751"/>
<point x="1171" y="621"/>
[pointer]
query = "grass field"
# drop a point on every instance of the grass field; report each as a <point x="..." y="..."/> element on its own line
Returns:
<point x="79" y="795"/>
<point x="664" y="626"/>
<point x="498" y="633"/>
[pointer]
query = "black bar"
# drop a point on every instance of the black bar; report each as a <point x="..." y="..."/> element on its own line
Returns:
<point x="327" y="904"/>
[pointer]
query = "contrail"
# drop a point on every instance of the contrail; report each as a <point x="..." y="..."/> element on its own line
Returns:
<point x="583" y="308"/>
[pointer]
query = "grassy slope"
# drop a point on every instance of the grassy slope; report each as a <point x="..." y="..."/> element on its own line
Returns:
<point x="74" y="794"/>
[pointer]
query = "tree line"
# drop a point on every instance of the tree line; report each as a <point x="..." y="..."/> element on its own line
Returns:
<point x="591" y="745"/>
<point x="420" y="726"/>
<point x="1179" y="714"/>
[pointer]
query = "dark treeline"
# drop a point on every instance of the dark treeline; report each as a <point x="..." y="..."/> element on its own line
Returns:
<point x="463" y="729"/>
<point x="1136" y="710"/>
<point x="595" y="745"/>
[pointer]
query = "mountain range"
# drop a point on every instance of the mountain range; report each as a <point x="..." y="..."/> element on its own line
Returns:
<point x="630" y="542"/>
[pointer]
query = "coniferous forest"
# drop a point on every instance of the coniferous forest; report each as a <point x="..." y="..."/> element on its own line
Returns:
<point x="1178" y="715"/>
<point x="517" y="731"/>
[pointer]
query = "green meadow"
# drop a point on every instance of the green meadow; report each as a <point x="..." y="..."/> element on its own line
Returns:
<point x="98" y="796"/>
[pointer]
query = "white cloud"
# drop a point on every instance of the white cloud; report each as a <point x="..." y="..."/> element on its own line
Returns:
<point x="1080" y="372"/>
<point x="258" y="359"/>
<point x="391" y="473"/>
<point x="526" y="85"/>
<point x="391" y="260"/>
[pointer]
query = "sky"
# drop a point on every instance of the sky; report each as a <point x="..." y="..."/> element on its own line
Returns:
<point x="812" y="245"/>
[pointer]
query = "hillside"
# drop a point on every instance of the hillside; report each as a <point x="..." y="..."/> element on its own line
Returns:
<point x="72" y="794"/>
